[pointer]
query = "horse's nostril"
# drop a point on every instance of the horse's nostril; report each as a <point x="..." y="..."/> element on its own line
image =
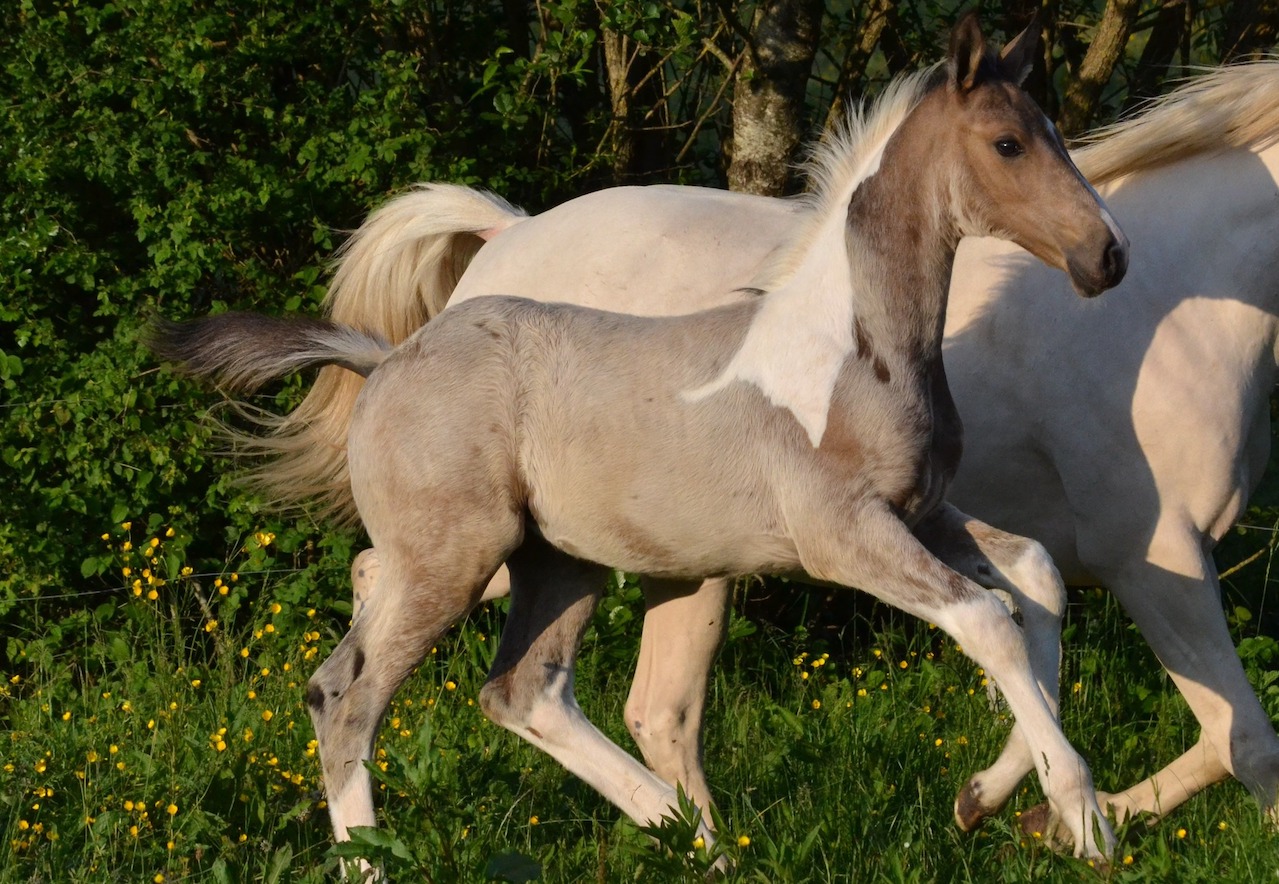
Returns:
<point x="1115" y="262"/>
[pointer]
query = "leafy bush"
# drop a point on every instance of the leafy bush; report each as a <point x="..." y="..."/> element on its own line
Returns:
<point x="165" y="156"/>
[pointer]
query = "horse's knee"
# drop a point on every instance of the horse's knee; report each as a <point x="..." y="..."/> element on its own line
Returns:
<point x="364" y="577"/>
<point x="1254" y="761"/>
<point x="1036" y="576"/>
<point x="660" y="731"/>
<point x="498" y="701"/>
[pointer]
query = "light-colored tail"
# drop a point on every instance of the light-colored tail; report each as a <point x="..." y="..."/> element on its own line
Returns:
<point x="396" y="272"/>
<point x="399" y="269"/>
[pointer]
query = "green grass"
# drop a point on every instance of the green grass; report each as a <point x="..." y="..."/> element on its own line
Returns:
<point x="167" y="736"/>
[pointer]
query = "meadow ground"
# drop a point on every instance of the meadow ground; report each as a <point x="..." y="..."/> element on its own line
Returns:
<point x="163" y="737"/>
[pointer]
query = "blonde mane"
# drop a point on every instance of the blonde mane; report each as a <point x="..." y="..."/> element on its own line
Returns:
<point x="844" y="157"/>
<point x="1228" y="107"/>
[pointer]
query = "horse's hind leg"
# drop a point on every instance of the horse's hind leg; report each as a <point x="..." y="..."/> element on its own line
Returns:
<point x="367" y="566"/>
<point x="530" y="689"/>
<point x="1022" y="568"/>
<point x="365" y="571"/>
<point x="415" y="602"/>
<point x="684" y="627"/>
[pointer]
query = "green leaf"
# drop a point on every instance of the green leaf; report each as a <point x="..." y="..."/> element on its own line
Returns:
<point x="279" y="864"/>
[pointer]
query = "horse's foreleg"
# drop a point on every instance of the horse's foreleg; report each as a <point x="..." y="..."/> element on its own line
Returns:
<point x="1193" y="771"/>
<point x="530" y="689"/>
<point x="1174" y="598"/>
<point x="882" y="557"/>
<point x="1022" y="568"/>
<point x="683" y="629"/>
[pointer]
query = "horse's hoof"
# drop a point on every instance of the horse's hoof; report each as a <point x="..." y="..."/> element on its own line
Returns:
<point x="1036" y="822"/>
<point x="970" y="812"/>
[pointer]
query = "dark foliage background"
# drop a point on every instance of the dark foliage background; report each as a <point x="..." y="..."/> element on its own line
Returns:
<point x="178" y="157"/>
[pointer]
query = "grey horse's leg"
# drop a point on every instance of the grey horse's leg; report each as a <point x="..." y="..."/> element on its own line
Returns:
<point x="684" y="627"/>
<point x="881" y="556"/>
<point x="417" y="599"/>
<point x="1021" y="568"/>
<point x="530" y="689"/>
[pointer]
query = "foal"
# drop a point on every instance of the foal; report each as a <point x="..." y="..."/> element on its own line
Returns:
<point x="809" y="430"/>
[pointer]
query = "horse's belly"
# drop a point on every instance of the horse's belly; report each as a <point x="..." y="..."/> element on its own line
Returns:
<point x="681" y="521"/>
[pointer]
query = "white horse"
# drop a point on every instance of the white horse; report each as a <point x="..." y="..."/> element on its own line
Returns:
<point x="806" y="429"/>
<point x="1125" y="434"/>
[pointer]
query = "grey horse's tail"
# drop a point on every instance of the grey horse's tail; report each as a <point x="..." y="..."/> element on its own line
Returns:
<point x="242" y="351"/>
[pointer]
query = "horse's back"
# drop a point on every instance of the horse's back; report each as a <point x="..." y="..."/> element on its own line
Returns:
<point x="650" y="251"/>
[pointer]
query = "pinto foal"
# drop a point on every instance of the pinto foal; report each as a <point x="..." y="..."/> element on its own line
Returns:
<point x="809" y="430"/>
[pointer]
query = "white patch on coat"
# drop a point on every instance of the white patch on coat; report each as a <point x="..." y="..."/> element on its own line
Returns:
<point x="802" y="334"/>
<point x="799" y="338"/>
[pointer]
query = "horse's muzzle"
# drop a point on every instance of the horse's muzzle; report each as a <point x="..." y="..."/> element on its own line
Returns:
<point x="1092" y="279"/>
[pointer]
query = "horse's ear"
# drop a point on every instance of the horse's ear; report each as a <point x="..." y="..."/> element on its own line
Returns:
<point x="1018" y="56"/>
<point x="967" y="50"/>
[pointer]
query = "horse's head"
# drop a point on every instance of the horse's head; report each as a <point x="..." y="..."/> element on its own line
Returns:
<point x="1012" y="176"/>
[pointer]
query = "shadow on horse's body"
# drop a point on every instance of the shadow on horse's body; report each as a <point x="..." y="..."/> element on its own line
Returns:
<point x="809" y="428"/>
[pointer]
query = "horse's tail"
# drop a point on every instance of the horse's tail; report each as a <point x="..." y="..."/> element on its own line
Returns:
<point x="399" y="269"/>
<point x="241" y="351"/>
<point x="396" y="271"/>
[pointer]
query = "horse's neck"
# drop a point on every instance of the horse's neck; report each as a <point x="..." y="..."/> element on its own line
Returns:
<point x="901" y="251"/>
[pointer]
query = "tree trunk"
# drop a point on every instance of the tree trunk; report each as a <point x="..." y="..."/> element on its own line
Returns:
<point x="1165" y="40"/>
<point x="768" y="100"/>
<point x="853" y="70"/>
<point x="1107" y="47"/>
<point x="638" y="147"/>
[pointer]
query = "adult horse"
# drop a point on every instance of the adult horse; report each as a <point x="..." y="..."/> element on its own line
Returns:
<point x="808" y="429"/>
<point x="1125" y="434"/>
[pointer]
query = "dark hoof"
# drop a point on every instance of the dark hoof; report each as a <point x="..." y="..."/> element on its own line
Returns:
<point x="970" y="812"/>
<point x="1036" y="822"/>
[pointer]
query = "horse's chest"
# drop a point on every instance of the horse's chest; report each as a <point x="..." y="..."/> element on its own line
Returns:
<point x="905" y="455"/>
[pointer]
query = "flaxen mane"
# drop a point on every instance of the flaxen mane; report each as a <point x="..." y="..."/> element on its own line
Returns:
<point x="1229" y="107"/>
<point x="839" y="162"/>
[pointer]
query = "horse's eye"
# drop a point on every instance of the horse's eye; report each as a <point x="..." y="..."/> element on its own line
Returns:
<point x="1009" y="147"/>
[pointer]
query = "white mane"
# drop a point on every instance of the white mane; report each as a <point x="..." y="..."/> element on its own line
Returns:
<point x="803" y="332"/>
<point x="1232" y="106"/>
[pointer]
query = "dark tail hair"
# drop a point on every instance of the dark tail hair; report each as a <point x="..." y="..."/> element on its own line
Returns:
<point x="242" y="351"/>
